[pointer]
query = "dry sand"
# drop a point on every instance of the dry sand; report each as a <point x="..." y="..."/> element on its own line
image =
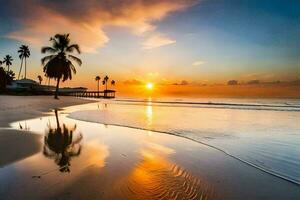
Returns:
<point x="124" y="163"/>
<point x="14" y="108"/>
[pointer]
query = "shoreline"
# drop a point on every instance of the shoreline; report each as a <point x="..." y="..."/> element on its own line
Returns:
<point x="272" y="173"/>
<point x="16" y="108"/>
<point x="230" y="178"/>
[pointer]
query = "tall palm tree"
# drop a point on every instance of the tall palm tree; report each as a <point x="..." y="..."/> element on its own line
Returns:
<point x="105" y="80"/>
<point x="58" y="65"/>
<point x="98" y="84"/>
<point x="24" y="53"/>
<point x="8" y="61"/>
<point x="40" y="79"/>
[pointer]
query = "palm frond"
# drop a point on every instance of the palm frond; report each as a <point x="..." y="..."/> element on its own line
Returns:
<point x="47" y="58"/>
<point x="72" y="67"/>
<point x="48" y="50"/>
<point x="79" y="62"/>
<point x="73" y="47"/>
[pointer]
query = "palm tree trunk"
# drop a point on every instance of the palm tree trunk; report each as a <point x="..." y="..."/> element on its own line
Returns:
<point x="25" y="68"/>
<point x="7" y="68"/>
<point x="105" y="93"/>
<point x="20" y="68"/>
<point x="98" y="88"/>
<point x="57" y="88"/>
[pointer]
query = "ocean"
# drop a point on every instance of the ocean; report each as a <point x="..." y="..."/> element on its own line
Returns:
<point x="264" y="133"/>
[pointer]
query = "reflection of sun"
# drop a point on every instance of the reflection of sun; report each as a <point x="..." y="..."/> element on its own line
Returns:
<point x="149" y="86"/>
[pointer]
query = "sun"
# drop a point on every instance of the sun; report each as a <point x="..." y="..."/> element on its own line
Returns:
<point x="149" y="86"/>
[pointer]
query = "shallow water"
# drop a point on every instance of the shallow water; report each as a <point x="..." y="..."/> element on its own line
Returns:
<point x="77" y="152"/>
<point x="264" y="133"/>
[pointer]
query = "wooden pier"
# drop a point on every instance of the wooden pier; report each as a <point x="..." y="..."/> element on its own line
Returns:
<point x="107" y="94"/>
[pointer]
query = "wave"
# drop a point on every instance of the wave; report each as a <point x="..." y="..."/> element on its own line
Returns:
<point x="225" y="105"/>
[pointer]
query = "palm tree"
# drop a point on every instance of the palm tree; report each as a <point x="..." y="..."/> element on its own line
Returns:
<point x="58" y="65"/>
<point x="60" y="144"/>
<point x="104" y="82"/>
<point x="113" y="82"/>
<point x="24" y="53"/>
<point x="40" y="79"/>
<point x="7" y="60"/>
<point x="98" y="80"/>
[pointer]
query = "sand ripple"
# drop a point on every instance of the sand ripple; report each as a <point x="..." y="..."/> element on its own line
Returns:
<point x="157" y="178"/>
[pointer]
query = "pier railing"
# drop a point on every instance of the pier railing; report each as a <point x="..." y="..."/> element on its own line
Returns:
<point x="108" y="94"/>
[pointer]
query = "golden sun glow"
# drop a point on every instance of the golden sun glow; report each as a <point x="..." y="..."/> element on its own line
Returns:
<point x="149" y="86"/>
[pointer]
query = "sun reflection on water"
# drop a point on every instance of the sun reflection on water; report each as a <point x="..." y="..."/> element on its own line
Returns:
<point x="149" y="114"/>
<point x="156" y="177"/>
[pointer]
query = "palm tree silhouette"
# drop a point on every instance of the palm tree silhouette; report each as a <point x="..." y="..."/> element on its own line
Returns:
<point x="58" y="65"/>
<point x="104" y="82"/>
<point x="40" y="79"/>
<point x="60" y="145"/>
<point x="113" y="82"/>
<point x="98" y="82"/>
<point x="24" y="53"/>
<point x="8" y="61"/>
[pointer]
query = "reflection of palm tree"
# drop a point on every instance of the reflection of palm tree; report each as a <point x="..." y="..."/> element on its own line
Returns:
<point x="60" y="145"/>
<point x="23" y="54"/>
<point x="58" y="65"/>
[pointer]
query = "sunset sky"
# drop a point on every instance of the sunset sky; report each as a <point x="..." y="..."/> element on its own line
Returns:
<point x="164" y="42"/>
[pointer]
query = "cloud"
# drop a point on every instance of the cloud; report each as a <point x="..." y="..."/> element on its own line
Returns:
<point x="183" y="82"/>
<point x="133" y="82"/>
<point x="232" y="82"/>
<point x="198" y="63"/>
<point x="157" y="41"/>
<point x="86" y="20"/>
<point x="264" y="76"/>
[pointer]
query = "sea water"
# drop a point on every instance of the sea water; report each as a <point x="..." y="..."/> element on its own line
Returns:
<point x="264" y="133"/>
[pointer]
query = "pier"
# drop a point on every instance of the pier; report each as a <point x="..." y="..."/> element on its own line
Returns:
<point x="107" y="94"/>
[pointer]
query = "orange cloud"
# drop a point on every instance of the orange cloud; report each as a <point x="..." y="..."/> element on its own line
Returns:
<point x="85" y="20"/>
<point x="133" y="82"/>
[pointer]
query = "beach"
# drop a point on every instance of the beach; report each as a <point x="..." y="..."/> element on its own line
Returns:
<point x="76" y="153"/>
<point x="14" y="108"/>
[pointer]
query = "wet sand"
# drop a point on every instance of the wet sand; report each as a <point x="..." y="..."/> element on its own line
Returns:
<point x="96" y="161"/>
<point x="15" y="145"/>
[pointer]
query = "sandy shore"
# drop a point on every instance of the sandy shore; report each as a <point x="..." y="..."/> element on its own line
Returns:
<point x="14" y="145"/>
<point x="109" y="162"/>
<point x="14" y="108"/>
